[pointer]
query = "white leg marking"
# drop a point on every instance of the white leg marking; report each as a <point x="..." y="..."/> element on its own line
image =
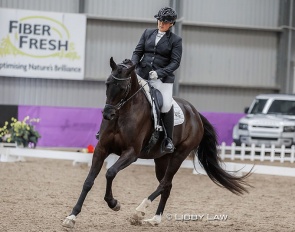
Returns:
<point x="70" y="221"/>
<point x="141" y="209"/>
<point x="136" y="219"/>
<point x="156" y="220"/>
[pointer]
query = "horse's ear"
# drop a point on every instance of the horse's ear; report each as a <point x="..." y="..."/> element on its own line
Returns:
<point x="113" y="64"/>
<point x="130" y="69"/>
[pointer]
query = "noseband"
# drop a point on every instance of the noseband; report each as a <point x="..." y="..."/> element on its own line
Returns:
<point x="123" y="100"/>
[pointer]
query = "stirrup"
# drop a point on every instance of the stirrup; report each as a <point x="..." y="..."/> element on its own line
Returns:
<point x="167" y="146"/>
<point x="97" y="135"/>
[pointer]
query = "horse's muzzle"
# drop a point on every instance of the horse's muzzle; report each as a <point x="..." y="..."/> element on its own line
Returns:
<point x="109" y="112"/>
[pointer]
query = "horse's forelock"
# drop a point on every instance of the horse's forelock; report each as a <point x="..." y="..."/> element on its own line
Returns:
<point x="123" y="69"/>
<point x="128" y="62"/>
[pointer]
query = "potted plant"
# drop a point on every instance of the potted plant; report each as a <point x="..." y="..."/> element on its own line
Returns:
<point x="21" y="132"/>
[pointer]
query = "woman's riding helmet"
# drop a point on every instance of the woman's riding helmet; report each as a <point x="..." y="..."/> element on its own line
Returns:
<point x="166" y="14"/>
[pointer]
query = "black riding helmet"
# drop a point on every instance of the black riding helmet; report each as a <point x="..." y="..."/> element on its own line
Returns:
<point x="166" y="14"/>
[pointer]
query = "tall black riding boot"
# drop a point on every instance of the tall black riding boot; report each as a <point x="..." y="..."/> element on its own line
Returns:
<point x="168" y="120"/>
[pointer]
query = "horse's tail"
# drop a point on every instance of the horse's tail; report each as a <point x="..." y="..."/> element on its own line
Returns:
<point x="207" y="154"/>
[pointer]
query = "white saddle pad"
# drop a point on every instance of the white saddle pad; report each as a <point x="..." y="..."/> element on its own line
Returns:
<point x="178" y="113"/>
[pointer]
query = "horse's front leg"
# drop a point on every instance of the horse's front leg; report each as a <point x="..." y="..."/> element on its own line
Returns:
<point x="97" y="162"/>
<point x="127" y="157"/>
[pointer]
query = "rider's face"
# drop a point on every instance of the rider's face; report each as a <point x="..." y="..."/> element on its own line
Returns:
<point x="164" y="26"/>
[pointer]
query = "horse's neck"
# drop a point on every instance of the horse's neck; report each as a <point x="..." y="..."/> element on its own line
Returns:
<point x="136" y="93"/>
<point x="134" y="83"/>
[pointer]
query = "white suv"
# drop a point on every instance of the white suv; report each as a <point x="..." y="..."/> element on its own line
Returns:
<point x="269" y="120"/>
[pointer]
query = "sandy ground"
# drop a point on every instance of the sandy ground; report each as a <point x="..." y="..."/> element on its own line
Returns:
<point x="38" y="194"/>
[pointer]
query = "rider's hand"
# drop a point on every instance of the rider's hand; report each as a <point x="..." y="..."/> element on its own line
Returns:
<point x="153" y="75"/>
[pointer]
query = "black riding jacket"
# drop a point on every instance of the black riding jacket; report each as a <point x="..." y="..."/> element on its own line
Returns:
<point x="164" y="58"/>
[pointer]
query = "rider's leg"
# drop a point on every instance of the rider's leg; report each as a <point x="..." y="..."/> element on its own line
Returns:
<point x="167" y="112"/>
<point x="168" y="120"/>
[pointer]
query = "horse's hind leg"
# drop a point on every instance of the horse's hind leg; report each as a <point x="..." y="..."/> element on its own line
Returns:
<point x="97" y="162"/>
<point x="165" y="185"/>
<point x="160" y="168"/>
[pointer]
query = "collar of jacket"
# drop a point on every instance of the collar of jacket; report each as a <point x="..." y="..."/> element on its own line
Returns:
<point x="168" y="33"/>
<point x="165" y="37"/>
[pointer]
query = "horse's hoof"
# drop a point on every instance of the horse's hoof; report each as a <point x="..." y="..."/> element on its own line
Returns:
<point x="136" y="220"/>
<point x="70" y="221"/>
<point x="155" y="221"/>
<point x="117" y="207"/>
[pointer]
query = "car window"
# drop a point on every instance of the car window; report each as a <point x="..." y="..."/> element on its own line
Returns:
<point x="258" y="106"/>
<point x="282" y="107"/>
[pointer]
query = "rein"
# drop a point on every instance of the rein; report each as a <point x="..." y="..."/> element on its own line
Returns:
<point x="124" y="100"/>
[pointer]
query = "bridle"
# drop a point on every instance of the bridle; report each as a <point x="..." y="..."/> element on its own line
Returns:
<point x="123" y="100"/>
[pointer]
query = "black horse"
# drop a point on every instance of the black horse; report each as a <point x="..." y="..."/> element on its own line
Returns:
<point x="126" y="131"/>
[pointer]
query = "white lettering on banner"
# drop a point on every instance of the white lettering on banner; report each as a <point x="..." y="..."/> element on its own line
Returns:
<point x="53" y="44"/>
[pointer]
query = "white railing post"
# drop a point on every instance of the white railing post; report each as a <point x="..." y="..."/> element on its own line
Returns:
<point x="282" y="154"/>
<point x="233" y="150"/>
<point x="222" y="151"/>
<point x="292" y="154"/>
<point x="243" y="146"/>
<point x="262" y="153"/>
<point x="252" y="152"/>
<point x="272" y="153"/>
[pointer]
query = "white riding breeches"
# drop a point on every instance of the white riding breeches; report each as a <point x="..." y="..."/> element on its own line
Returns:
<point x="167" y="91"/>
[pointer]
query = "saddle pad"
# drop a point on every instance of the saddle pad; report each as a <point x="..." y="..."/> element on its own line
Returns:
<point x="178" y="113"/>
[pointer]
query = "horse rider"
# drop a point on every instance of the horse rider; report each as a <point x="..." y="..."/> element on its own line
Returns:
<point x="156" y="56"/>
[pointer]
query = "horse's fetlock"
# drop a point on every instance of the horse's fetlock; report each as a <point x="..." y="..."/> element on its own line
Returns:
<point x="107" y="199"/>
<point x="76" y="210"/>
<point x="110" y="201"/>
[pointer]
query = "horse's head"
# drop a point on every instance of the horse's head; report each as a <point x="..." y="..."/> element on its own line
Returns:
<point x="118" y="86"/>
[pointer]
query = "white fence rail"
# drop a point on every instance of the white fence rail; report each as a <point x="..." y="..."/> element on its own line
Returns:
<point x="261" y="153"/>
<point x="10" y="153"/>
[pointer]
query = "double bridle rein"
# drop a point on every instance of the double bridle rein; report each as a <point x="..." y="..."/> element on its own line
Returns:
<point x="123" y="100"/>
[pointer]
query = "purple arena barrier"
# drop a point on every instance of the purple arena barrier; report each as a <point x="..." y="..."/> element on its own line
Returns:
<point x="76" y="127"/>
<point x="64" y="126"/>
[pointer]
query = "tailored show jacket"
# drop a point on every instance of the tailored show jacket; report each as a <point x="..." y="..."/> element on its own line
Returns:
<point x="164" y="58"/>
